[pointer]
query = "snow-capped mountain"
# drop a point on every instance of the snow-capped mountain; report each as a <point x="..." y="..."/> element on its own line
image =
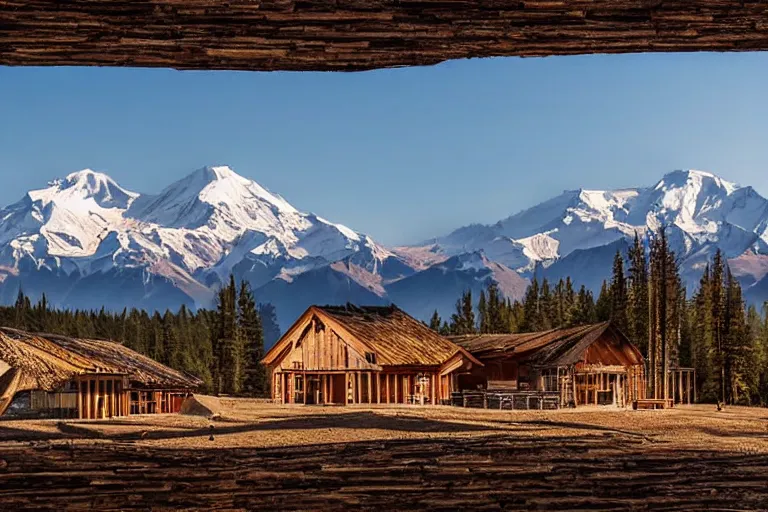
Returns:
<point x="87" y="242"/>
<point x="188" y="237"/>
<point x="563" y="235"/>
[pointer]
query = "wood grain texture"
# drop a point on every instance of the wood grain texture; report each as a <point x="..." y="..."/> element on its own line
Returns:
<point x="488" y="473"/>
<point x="354" y="35"/>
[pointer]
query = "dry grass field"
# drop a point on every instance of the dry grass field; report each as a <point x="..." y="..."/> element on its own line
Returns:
<point x="269" y="457"/>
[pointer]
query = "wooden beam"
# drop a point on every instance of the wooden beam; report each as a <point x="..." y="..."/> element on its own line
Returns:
<point x="341" y="36"/>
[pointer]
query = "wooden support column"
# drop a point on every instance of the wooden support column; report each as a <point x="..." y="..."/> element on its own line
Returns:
<point x="378" y="388"/>
<point x="304" y="386"/>
<point x="359" y="382"/>
<point x="597" y="386"/>
<point x="331" y="396"/>
<point x="432" y="389"/>
<point x="346" y="388"/>
<point x="396" y="378"/>
<point x="79" y="399"/>
<point x="370" y="387"/>
<point x="95" y="399"/>
<point x="389" y="396"/>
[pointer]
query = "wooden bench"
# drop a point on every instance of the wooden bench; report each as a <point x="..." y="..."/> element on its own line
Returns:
<point x="653" y="403"/>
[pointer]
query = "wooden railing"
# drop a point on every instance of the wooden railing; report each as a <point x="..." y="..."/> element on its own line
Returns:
<point x="507" y="400"/>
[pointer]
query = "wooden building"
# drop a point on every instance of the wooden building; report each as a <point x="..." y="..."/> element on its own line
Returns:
<point x="592" y="364"/>
<point x="364" y="355"/>
<point x="82" y="378"/>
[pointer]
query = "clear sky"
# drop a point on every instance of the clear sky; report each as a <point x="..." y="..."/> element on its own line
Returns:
<point x="404" y="154"/>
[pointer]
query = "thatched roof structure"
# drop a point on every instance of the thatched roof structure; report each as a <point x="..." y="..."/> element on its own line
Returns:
<point x="46" y="361"/>
<point x="397" y="338"/>
<point x="556" y="347"/>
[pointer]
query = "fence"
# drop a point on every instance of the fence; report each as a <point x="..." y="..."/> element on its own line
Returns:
<point x="506" y="400"/>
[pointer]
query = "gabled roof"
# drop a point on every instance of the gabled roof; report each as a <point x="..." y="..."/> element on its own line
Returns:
<point x="556" y="347"/>
<point x="396" y="337"/>
<point x="46" y="361"/>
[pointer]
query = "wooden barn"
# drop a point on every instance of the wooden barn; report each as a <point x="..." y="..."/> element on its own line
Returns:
<point x="82" y="378"/>
<point x="592" y="364"/>
<point x="364" y="355"/>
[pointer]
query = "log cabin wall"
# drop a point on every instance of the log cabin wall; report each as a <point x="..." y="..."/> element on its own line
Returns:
<point x="364" y="355"/>
<point x="102" y="396"/>
<point x="586" y="365"/>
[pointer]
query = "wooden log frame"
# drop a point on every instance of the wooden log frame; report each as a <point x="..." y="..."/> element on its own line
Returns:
<point x="353" y="35"/>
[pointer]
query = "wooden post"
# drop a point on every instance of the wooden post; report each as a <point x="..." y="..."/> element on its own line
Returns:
<point x="573" y="384"/>
<point x="97" y="394"/>
<point x="359" y="382"/>
<point x="378" y="388"/>
<point x="79" y="399"/>
<point x="395" y="378"/>
<point x="370" y="387"/>
<point x="304" y="386"/>
<point x="386" y="378"/>
<point x="331" y="396"/>
<point x="432" y="394"/>
<point x="346" y="388"/>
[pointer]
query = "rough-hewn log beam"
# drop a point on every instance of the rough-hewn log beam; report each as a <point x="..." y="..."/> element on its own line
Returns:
<point x="351" y="35"/>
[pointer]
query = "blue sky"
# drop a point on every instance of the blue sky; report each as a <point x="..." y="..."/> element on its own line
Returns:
<point x="402" y="154"/>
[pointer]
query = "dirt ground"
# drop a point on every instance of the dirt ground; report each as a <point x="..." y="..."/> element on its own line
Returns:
<point x="275" y="457"/>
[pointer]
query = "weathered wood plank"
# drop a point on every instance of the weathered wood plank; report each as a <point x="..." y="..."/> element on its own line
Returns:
<point x="352" y="35"/>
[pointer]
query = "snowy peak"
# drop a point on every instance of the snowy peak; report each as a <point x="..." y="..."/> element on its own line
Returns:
<point x="83" y="186"/>
<point x="699" y="207"/>
<point x="208" y="193"/>
<point x="692" y="178"/>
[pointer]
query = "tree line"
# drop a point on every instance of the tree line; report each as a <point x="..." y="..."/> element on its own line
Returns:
<point x="712" y="330"/>
<point x="223" y="347"/>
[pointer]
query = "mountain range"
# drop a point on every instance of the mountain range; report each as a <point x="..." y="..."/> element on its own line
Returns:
<point x="86" y="242"/>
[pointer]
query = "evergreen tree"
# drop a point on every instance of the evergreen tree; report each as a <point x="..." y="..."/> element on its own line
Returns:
<point x="435" y="322"/>
<point x="546" y="306"/>
<point x="227" y="368"/>
<point x="497" y="322"/>
<point x="604" y="303"/>
<point x="256" y="382"/>
<point x="531" y="315"/>
<point x="618" y="300"/>
<point x="463" y="320"/>
<point x="482" y="313"/>
<point x="171" y="341"/>
<point x="637" y="310"/>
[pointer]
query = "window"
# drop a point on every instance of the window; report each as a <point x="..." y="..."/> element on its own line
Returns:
<point x="370" y="357"/>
